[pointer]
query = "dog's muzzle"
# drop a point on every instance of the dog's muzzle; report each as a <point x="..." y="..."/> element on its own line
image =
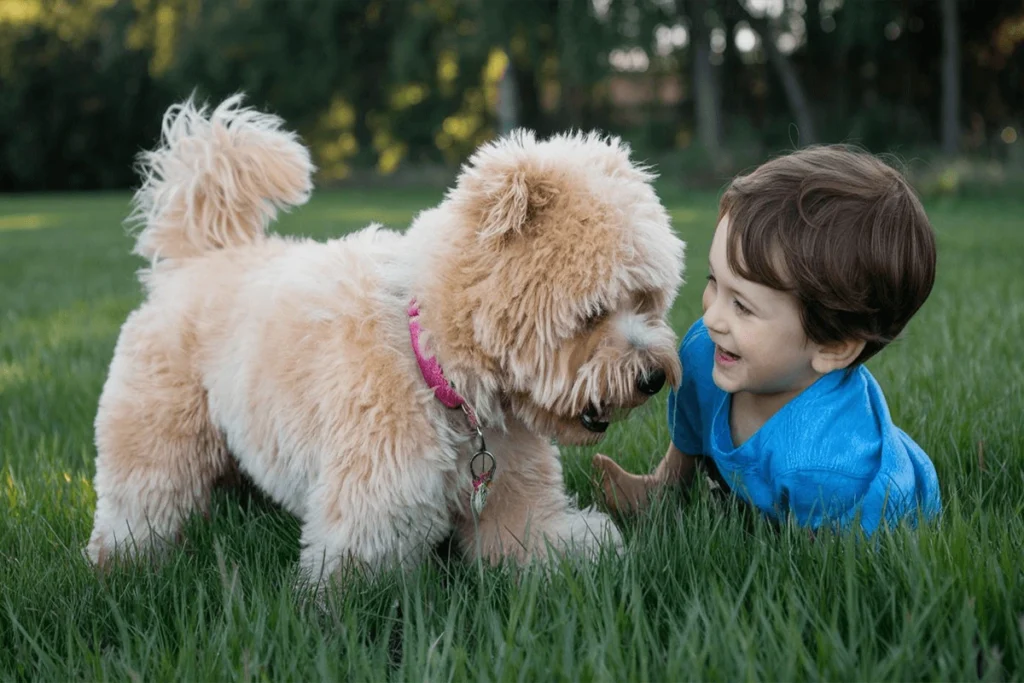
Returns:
<point x="596" y="420"/>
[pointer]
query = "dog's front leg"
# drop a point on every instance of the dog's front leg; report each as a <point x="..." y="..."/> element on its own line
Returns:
<point x="373" y="512"/>
<point x="527" y="512"/>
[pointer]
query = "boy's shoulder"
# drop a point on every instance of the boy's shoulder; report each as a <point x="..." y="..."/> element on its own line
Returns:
<point x="838" y="425"/>
<point x="697" y="357"/>
<point x="842" y="438"/>
<point x="844" y="441"/>
<point x="696" y="345"/>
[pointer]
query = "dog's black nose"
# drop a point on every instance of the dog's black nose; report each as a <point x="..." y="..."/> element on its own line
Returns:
<point x="651" y="383"/>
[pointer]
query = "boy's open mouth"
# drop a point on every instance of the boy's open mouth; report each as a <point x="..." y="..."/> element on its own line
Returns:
<point x="725" y="355"/>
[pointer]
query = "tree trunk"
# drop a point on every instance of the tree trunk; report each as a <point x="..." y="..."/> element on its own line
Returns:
<point x="528" y="103"/>
<point x="795" y="96"/>
<point x="707" y="108"/>
<point x="732" y="71"/>
<point x="508" y="100"/>
<point x="950" y="78"/>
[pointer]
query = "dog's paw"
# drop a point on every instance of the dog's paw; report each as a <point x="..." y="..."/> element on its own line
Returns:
<point x="585" y="532"/>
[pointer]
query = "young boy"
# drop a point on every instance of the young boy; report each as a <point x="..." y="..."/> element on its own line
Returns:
<point x="819" y="260"/>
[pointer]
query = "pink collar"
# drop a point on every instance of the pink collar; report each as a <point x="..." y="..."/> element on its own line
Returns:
<point x="432" y="372"/>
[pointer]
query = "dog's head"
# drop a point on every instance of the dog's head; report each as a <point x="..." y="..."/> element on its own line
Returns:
<point x="552" y="267"/>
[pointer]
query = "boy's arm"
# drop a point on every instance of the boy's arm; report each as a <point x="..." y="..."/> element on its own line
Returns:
<point x="675" y="468"/>
<point x="626" y="493"/>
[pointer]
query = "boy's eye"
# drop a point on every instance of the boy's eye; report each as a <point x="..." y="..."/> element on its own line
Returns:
<point x="740" y="307"/>
<point x="711" y="279"/>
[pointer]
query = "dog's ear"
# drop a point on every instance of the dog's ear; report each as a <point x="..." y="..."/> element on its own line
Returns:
<point x="514" y="202"/>
<point x="505" y="185"/>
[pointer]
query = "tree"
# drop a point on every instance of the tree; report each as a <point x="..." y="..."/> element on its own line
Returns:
<point x="950" y="77"/>
<point x="795" y="96"/>
<point x="707" y="104"/>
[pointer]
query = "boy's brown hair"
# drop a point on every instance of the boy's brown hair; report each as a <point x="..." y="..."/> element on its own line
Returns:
<point x="843" y="232"/>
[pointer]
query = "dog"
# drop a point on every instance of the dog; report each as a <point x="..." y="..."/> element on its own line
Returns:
<point x="390" y="389"/>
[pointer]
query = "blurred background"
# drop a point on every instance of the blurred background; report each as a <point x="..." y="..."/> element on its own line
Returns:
<point x="401" y="91"/>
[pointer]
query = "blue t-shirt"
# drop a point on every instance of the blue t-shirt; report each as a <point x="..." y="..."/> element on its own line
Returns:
<point x="830" y="453"/>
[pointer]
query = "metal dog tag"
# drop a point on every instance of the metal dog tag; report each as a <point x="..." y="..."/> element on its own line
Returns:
<point x="482" y="468"/>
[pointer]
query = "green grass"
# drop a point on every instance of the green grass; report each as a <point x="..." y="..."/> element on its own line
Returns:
<point x="702" y="592"/>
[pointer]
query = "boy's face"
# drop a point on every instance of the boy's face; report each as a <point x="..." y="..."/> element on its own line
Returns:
<point x="760" y="344"/>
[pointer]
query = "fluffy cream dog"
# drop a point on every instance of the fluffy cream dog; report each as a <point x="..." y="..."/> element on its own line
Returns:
<point x="539" y="287"/>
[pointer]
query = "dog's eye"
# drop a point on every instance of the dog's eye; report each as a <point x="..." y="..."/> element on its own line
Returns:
<point x="595" y="318"/>
<point x="646" y="302"/>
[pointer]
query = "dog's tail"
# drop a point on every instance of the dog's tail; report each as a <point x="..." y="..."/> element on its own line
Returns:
<point x="216" y="179"/>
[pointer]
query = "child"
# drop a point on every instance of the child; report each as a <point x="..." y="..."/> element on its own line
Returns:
<point x="819" y="260"/>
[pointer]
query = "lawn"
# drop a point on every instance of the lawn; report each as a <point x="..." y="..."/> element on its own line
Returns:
<point x="702" y="592"/>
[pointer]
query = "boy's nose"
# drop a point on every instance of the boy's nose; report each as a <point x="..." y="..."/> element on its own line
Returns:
<point x="713" y="321"/>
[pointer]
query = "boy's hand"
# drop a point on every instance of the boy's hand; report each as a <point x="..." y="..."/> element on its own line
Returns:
<point x="624" y="493"/>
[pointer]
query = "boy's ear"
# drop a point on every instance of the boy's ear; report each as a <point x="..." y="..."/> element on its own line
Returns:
<point x="836" y="355"/>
